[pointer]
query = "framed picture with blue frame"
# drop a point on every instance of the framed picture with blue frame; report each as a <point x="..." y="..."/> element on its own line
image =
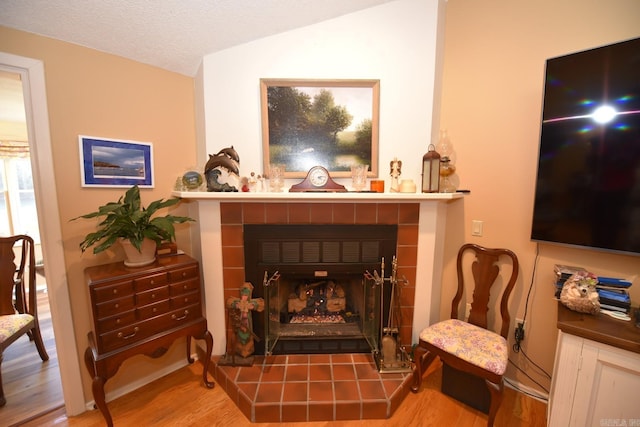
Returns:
<point x="115" y="163"/>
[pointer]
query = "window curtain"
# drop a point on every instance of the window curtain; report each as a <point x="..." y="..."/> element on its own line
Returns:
<point x="14" y="149"/>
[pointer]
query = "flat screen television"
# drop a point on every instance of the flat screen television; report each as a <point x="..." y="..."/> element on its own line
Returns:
<point x="588" y="181"/>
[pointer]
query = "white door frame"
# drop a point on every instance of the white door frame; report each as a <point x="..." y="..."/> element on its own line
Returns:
<point x="35" y="100"/>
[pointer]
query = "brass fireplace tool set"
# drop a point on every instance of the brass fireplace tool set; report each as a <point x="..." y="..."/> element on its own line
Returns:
<point x="393" y="357"/>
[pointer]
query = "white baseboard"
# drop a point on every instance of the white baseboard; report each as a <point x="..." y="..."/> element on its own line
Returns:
<point x="128" y="388"/>
<point x="529" y="391"/>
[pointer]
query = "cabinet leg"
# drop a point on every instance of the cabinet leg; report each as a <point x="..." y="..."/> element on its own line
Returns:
<point x="189" y="358"/>
<point x="208" y="338"/>
<point x="98" y="395"/>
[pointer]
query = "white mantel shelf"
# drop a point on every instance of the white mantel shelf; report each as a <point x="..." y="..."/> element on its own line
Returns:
<point x="333" y="197"/>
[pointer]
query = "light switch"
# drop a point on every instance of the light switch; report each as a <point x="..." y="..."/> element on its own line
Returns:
<point x="476" y="227"/>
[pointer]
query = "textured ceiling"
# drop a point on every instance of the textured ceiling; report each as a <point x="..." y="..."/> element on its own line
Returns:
<point x="170" y="34"/>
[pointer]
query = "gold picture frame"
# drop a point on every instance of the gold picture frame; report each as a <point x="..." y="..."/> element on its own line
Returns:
<point x="330" y="123"/>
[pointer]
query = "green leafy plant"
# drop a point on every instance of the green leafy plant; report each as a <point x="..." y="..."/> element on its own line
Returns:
<point x="127" y="219"/>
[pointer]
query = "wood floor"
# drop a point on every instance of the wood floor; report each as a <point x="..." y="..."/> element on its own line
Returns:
<point x="31" y="387"/>
<point x="180" y="399"/>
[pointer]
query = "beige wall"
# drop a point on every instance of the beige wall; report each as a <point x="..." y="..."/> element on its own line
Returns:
<point x="492" y="93"/>
<point x="93" y="93"/>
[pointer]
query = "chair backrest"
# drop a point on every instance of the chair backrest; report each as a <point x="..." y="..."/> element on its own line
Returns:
<point x="485" y="270"/>
<point x="21" y="275"/>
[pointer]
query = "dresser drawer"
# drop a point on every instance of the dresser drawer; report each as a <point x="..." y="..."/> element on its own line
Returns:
<point x="185" y="299"/>
<point x="152" y="296"/>
<point x="150" y="281"/>
<point x="116" y="322"/>
<point x="113" y="307"/>
<point x="112" y="291"/>
<point x="152" y="310"/>
<point x="184" y="315"/>
<point x="183" y="273"/>
<point x="184" y="287"/>
<point x="132" y="334"/>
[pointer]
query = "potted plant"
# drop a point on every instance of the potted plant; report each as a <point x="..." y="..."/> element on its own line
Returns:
<point x="128" y="222"/>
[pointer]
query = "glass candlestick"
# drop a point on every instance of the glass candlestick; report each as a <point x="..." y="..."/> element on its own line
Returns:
<point x="446" y="170"/>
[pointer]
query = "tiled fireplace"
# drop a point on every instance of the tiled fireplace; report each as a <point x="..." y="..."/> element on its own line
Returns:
<point x="420" y="222"/>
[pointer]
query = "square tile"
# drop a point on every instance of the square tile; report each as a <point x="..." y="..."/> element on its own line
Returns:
<point x="346" y="390"/>
<point x="321" y="412"/>
<point x="250" y="374"/>
<point x="343" y="373"/>
<point x="298" y="359"/>
<point x="272" y="373"/>
<point x="371" y="390"/>
<point x="366" y="372"/>
<point x="321" y="391"/>
<point x="372" y="410"/>
<point x="348" y="410"/>
<point x="269" y="392"/>
<point x="297" y="373"/>
<point x="295" y="392"/>
<point x="320" y="373"/>
<point x="266" y="413"/>
<point x="294" y="412"/>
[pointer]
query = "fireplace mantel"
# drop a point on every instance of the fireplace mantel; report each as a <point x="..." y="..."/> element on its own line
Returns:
<point x="332" y="197"/>
<point x="206" y="238"/>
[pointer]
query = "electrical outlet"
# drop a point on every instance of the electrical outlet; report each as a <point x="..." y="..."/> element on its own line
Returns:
<point x="519" y="331"/>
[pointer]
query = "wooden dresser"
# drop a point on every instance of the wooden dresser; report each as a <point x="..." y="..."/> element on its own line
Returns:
<point x="142" y="311"/>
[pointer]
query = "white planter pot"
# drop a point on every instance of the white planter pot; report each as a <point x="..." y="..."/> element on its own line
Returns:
<point x="135" y="258"/>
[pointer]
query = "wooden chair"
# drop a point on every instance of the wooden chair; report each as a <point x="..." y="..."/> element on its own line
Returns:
<point x="468" y="347"/>
<point x="18" y="316"/>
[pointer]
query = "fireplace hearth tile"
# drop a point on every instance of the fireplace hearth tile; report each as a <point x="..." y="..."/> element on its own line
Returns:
<point x="317" y="387"/>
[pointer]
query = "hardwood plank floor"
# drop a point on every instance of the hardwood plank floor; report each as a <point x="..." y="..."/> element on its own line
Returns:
<point x="31" y="387"/>
<point x="180" y="399"/>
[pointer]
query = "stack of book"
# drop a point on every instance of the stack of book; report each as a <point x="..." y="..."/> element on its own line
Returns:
<point x="563" y="272"/>
<point x="614" y="294"/>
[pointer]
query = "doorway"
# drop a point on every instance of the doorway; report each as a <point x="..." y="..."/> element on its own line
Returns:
<point x="31" y="73"/>
<point x="23" y="377"/>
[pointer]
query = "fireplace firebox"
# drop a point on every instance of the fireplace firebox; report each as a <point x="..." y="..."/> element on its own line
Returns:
<point x="320" y="285"/>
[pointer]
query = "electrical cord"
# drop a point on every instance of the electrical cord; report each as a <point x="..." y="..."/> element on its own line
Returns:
<point x="533" y="395"/>
<point x="546" y="374"/>
<point x="528" y="376"/>
<point x="533" y="277"/>
<point x="519" y="332"/>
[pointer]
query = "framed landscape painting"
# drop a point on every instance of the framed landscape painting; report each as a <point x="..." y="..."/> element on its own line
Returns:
<point x="330" y="123"/>
<point x="115" y="163"/>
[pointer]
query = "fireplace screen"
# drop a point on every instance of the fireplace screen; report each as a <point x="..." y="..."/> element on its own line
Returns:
<point x="317" y="282"/>
<point x="321" y="314"/>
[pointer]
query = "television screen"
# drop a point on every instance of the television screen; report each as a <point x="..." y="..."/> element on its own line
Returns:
<point x="588" y="181"/>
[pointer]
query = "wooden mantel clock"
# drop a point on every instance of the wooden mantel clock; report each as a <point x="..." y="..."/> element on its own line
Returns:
<point x="318" y="179"/>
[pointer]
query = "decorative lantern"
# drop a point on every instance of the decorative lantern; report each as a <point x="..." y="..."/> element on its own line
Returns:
<point x="431" y="171"/>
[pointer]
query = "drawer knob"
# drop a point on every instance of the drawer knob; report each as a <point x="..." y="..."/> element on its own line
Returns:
<point x="184" y="274"/>
<point x="184" y="287"/>
<point x="153" y="282"/>
<point x="115" y="291"/>
<point x="154" y="309"/>
<point x="117" y="305"/>
<point x="126" y="337"/>
<point x="186" y="313"/>
<point x="153" y="296"/>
